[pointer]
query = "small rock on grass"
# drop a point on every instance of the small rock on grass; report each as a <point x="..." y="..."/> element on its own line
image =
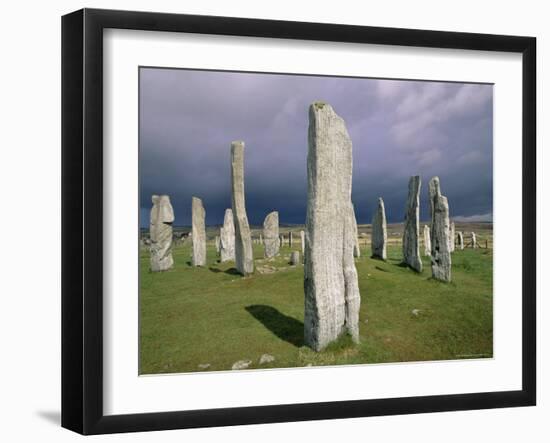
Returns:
<point x="204" y="365"/>
<point x="266" y="358"/>
<point x="241" y="364"/>
<point x="415" y="312"/>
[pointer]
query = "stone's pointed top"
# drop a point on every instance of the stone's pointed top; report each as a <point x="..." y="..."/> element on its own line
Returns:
<point x="237" y="143"/>
<point x="319" y="104"/>
<point x="197" y="199"/>
<point x="434" y="186"/>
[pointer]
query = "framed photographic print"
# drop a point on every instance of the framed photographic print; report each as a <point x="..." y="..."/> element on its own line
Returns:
<point x="269" y="221"/>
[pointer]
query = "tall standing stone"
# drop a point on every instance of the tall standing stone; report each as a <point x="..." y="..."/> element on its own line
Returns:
<point x="411" y="233"/>
<point x="379" y="236"/>
<point x="452" y="237"/>
<point x="427" y="242"/>
<point x="271" y="235"/>
<point x="244" y="258"/>
<point x="198" y="215"/>
<point x="303" y="241"/>
<point x="217" y="243"/>
<point x="332" y="296"/>
<point x="460" y="239"/>
<point x="281" y="240"/>
<point x="160" y="231"/>
<point x="474" y="240"/>
<point x="356" y="248"/>
<point x="290" y="239"/>
<point x="227" y="237"/>
<point x="440" y="232"/>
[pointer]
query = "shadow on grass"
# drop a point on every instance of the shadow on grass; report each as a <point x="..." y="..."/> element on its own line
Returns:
<point x="286" y="328"/>
<point x="230" y="271"/>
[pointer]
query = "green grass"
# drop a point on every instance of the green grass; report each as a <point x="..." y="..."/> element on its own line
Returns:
<point x="211" y="315"/>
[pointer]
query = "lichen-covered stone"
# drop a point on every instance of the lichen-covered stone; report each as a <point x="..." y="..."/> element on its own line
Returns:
<point x="460" y="240"/>
<point x="198" y="215"/>
<point x="244" y="259"/>
<point x="427" y="242"/>
<point x="160" y="232"/>
<point x="332" y="296"/>
<point x="452" y="237"/>
<point x="379" y="232"/>
<point x="441" y="253"/>
<point x="411" y="233"/>
<point x="227" y="237"/>
<point x="294" y="258"/>
<point x="271" y="235"/>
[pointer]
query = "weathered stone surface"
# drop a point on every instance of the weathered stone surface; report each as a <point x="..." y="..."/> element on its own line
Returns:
<point x="281" y="240"/>
<point x="266" y="358"/>
<point x="294" y="258"/>
<point x="460" y="240"/>
<point x="227" y="237"/>
<point x="332" y="296"/>
<point x="241" y="364"/>
<point x="198" y="215"/>
<point x="290" y="239"/>
<point x="244" y="258"/>
<point x="441" y="253"/>
<point x="217" y="243"/>
<point x="303" y="241"/>
<point x="452" y="237"/>
<point x="271" y="235"/>
<point x="160" y="231"/>
<point x="379" y="232"/>
<point x="427" y="241"/>
<point x="474" y="240"/>
<point x="356" y="248"/>
<point x="411" y="233"/>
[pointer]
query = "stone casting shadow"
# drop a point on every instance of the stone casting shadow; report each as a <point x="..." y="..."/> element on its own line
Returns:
<point x="286" y="328"/>
<point x="230" y="271"/>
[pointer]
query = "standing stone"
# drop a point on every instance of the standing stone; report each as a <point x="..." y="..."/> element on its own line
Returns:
<point x="282" y="240"/>
<point x="160" y="231"/>
<point x="474" y="240"/>
<point x="295" y="258"/>
<point x="303" y="241"/>
<point x="427" y="242"/>
<point x="332" y="296"/>
<point x="379" y="232"/>
<point x="227" y="237"/>
<point x="198" y="215"/>
<point x="290" y="239"/>
<point x="217" y="243"/>
<point x="261" y="239"/>
<point x="244" y="258"/>
<point x="271" y="235"/>
<point x="452" y="237"/>
<point x="356" y="248"/>
<point x="460" y="238"/>
<point x="441" y="253"/>
<point x="411" y="233"/>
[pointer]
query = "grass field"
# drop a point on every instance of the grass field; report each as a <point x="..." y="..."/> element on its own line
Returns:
<point x="212" y="316"/>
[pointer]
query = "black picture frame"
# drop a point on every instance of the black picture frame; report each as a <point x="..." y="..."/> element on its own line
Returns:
<point x="82" y="218"/>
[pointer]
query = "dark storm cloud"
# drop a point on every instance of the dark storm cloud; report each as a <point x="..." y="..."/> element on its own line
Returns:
<point x="398" y="128"/>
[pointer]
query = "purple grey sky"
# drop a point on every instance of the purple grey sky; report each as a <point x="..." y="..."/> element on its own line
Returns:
<point x="398" y="128"/>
